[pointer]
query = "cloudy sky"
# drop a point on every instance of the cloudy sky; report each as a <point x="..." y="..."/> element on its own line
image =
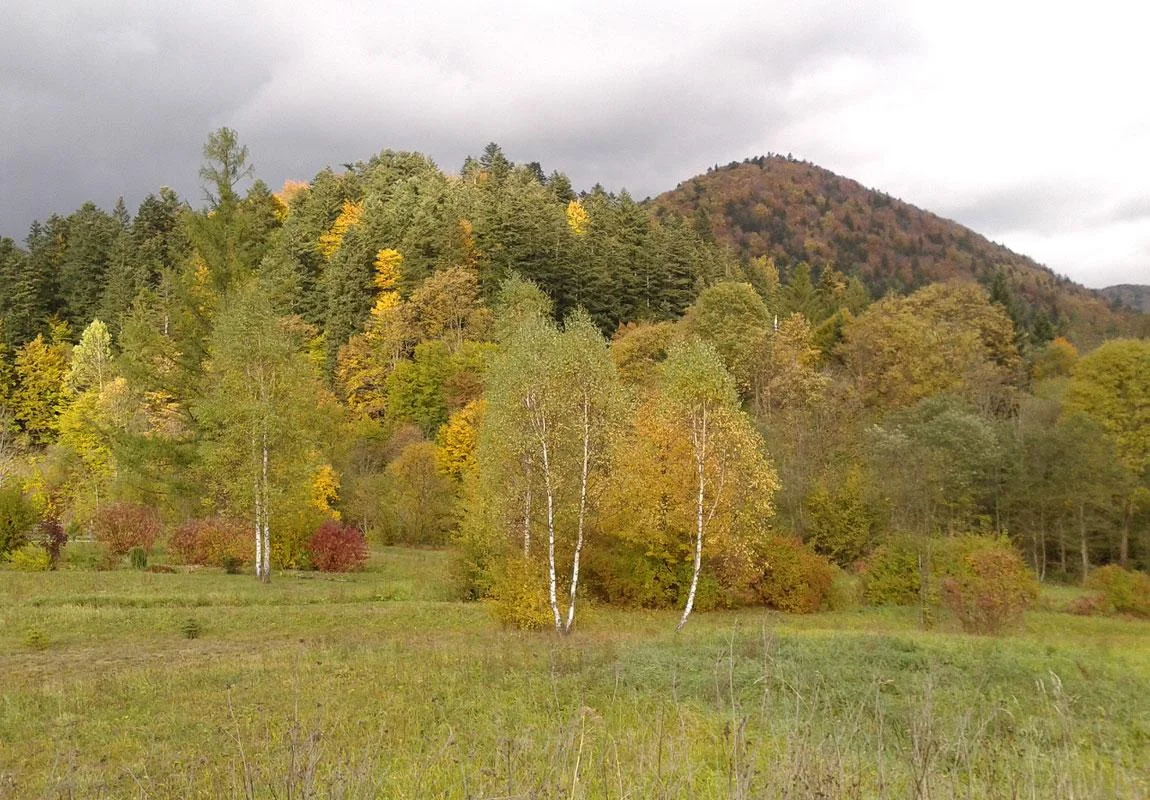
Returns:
<point x="1026" y="121"/>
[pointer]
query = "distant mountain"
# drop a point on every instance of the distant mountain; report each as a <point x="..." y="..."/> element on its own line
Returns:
<point x="794" y="211"/>
<point x="1128" y="295"/>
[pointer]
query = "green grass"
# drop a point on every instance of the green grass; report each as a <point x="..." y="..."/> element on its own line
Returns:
<point x="376" y="685"/>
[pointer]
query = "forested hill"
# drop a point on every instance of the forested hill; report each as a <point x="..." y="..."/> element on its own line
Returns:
<point x="1128" y="295"/>
<point x="793" y="211"/>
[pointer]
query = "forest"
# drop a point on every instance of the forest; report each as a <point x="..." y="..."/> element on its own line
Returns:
<point x="582" y="396"/>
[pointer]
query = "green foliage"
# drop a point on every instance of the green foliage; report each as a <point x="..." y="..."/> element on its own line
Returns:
<point x="793" y="579"/>
<point x="138" y="558"/>
<point x="419" y="499"/>
<point x="17" y="518"/>
<point x="36" y="640"/>
<point x="191" y="628"/>
<point x="29" y="558"/>
<point x="1125" y="591"/>
<point x="518" y="595"/>
<point x="892" y="573"/>
<point x="732" y="318"/>
<point x="840" y="523"/>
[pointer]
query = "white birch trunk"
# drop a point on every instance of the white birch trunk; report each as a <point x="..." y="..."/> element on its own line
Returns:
<point x="257" y="496"/>
<point x="527" y="510"/>
<point x="699" y="439"/>
<point x="582" y="510"/>
<point x="551" y="536"/>
<point x="267" y="563"/>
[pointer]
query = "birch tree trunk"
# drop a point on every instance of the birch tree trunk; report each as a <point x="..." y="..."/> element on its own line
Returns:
<point x="699" y="440"/>
<point x="267" y="539"/>
<point x="582" y="510"/>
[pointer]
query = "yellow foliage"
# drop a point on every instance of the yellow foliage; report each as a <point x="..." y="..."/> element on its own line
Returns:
<point x="469" y="257"/>
<point x="325" y="490"/>
<point x="577" y="218"/>
<point x="455" y="450"/>
<point x="349" y="216"/>
<point x="387" y="264"/>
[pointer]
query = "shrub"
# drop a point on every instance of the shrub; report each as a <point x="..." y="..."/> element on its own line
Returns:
<point x="52" y="537"/>
<point x="1125" y="591"/>
<point x="138" y="557"/>
<point x="337" y="548"/>
<point x="988" y="586"/>
<point x="892" y="574"/>
<point x="1089" y="605"/>
<point x="191" y="628"/>
<point x="793" y="579"/>
<point x="122" y="526"/>
<point x="215" y="541"/>
<point x="30" y="558"/>
<point x="17" y="517"/>
<point x="518" y="597"/>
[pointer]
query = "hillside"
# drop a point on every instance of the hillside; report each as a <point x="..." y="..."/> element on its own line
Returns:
<point x="794" y="211"/>
<point x="1129" y="295"/>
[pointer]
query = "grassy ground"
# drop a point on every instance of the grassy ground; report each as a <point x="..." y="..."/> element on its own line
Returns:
<point x="375" y="685"/>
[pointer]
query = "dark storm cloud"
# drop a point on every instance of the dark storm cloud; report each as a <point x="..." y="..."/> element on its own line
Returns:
<point x="117" y="98"/>
<point x="108" y="98"/>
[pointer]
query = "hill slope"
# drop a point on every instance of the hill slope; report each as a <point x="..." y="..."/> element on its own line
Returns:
<point x="794" y="211"/>
<point x="1129" y="295"/>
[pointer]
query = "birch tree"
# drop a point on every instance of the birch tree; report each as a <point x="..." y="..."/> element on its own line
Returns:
<point x="553" y="402"/>
<point x="261" y="410"/>
<point x="701" y="403"/>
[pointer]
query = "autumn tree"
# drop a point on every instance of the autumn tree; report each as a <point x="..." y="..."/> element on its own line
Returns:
<point x="702" y="408"/>
<point x="1112" y="386"/>
<point x="262" y="411"/>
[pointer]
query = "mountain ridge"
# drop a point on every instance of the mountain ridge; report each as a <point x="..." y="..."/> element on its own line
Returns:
<point x="793" y="211"/>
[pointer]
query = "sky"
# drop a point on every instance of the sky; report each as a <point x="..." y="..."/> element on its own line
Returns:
<point x="1027" y="122"/>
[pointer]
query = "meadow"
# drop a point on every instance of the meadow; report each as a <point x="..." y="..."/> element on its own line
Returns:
<point x="375" y="684"/>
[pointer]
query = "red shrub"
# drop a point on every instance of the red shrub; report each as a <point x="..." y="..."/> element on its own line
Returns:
<point x="122" y="526"/>
<point x="215" y="541"/>
<point x="337" y="548"/>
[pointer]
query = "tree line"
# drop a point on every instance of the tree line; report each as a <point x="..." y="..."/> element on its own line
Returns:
<point x="584" y="398"/>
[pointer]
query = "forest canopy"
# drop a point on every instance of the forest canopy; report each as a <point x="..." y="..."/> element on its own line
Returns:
<point x="582" y="394"/>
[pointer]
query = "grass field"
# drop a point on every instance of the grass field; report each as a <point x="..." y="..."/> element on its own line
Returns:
<point x="375" y="685"/>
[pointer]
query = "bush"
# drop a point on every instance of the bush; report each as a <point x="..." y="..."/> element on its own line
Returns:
<point x="30" y="558"/>
<point x="337" y="548"/>
<point x="793" y="578"/>
<point x="990" y="585"/>
<point x="1125" y="591"/>
<point x="215" y="541"/>
<point x="17" y="518"/>
<point x="892" y="574"/>
<point x="518" y="597"/>
<point x="122" y="526"/>
<point x="52" y="537"/>
<point x="1089" y="605"/>
<point x="138" y="557"/>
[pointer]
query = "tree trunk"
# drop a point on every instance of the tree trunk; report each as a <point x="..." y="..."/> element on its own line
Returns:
<point x="1082" y="541"/>
<point x="257" y="496"/>
<point x="552" y="594"/>
<point x="267" y="535"/>
<point x="582" y="510"/>
<point x="1124" y="542"/>
<point x="527" y="510"/>
<point x="699" y="438"/>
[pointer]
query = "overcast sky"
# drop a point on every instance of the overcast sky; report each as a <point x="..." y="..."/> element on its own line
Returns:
<point x="1028" y="122"/>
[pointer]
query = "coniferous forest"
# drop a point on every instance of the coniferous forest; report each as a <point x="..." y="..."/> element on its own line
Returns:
<point x="488" y="443"/>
